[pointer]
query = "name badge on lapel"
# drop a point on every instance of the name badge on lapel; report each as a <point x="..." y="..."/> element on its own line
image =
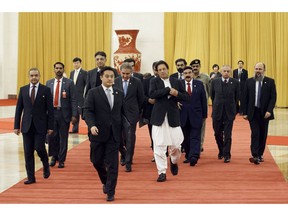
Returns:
<point x="64" y="94"/>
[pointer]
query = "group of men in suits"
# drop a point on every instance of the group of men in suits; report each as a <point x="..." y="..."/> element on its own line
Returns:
<point x="171" y="105"/>
<point x="226" y="92"/>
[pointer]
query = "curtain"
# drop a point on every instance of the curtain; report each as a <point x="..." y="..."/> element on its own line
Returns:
<point x="45" y="38"/>
<point x="225" y="38"/>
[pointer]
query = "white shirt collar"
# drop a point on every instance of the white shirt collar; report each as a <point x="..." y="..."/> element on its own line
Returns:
<point x="36" y="85"/>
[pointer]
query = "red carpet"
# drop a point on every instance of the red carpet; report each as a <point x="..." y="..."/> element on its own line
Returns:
<point x="210" y="181"/>
<point x="8" y="102"/>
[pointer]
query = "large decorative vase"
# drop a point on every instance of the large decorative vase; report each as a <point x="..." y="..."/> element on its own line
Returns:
<point x="127" y="49"/>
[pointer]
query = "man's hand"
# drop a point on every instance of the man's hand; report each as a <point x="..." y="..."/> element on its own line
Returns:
<point x="49" y="132"/>
<point x="94" y="130"/>
<point x="151" y="101"/>
<point x="267" y="115"/>
<point x="73" y="120"/>
<point x="17" y="131"/>
<point x="173" y="92"/>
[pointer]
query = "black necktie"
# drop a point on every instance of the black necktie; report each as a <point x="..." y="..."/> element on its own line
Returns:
<point x="33" y="94"/>
<point x="258" y="95"/>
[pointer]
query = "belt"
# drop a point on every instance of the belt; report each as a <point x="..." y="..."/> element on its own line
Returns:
<point x="57" y="108"/>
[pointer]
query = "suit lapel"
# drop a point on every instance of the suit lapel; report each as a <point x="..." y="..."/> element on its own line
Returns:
<point x="39" y="93"/>
<point x="116" y="97"/>
<point x="102" y="93"/>
<point x="26" y="93"/>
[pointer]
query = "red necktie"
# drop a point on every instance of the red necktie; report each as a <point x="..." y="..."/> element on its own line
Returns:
<point x="56" y="95"/>
<point x="33" y="94"/>
<point x="189" y="89"/>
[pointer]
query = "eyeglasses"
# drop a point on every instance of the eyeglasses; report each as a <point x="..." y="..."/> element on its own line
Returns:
<point x="180" y="65"/>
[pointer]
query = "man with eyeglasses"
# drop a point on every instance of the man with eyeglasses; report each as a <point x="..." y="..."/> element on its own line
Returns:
<point x="180" y="65"/>
<point x="93" y="76"/>
<point x="65" y="110"/>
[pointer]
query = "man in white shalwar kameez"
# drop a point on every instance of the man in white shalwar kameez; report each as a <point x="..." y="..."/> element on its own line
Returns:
<point x="166" y="130"/>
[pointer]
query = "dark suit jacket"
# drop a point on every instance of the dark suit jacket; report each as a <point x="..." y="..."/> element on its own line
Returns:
<point x="175" y="75"/>
<point x="138" y="75"/>
<point x="224" y="99"/>
<point x="79" y="86"/>
<point x="147" y="107"/>
<point x="40" y="113"/>
<point x="93" y="79"/>
<point x="195" y="109"/>
<point x="243" y="78"/>
<point x="267" y="99"/>
<point x="98" y="113"/>
<point x="164" y="105"/>
<point x="68" y="103"/>
<point x="134" y="99"/>
<point x="218" y="74"/>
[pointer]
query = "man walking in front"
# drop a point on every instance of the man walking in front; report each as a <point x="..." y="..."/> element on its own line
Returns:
<point x="103" y="116"/>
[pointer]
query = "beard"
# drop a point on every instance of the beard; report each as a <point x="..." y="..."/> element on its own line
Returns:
<point x="258" y="77"/>
<point x="180" y="70"/>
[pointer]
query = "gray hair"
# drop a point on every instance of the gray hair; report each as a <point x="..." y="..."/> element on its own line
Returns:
<point x="33" y="69"/>
<point x="126" y="65"/>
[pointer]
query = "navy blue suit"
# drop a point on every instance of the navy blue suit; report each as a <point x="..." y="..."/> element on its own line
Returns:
<point x="36" y="120"/>
<point x="58" y="141"/>
<point x="192" y="114"/>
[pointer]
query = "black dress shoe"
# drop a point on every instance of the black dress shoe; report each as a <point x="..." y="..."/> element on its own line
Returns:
<point x="122" y="161"/>
<point x="220" y="156"/>
<point x="110" y="198"/>
<point x="53" y="162"/>
<point x="202" y="149"/>
<point x="193" y="161"/>
<point x="186" y="161"/>
<point x="46" y="172"/>
<point x="254" y="160"/>
<point x="128" y="168"/>
<point x="61" y="165"/>
<point x="30" y="181"/>
<point x="173" y="168"/>
<point x="153" y="159"/>
<point x="104" y="189"/>
<point x="226" y="160"/>
<point x="161" y="177"/>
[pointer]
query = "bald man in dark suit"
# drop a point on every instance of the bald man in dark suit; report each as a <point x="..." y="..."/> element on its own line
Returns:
<point x="36" y="103"/>
<point x="260" y="99"/>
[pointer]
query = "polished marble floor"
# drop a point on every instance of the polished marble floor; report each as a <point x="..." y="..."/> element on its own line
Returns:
<point x="12" y="168"/>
